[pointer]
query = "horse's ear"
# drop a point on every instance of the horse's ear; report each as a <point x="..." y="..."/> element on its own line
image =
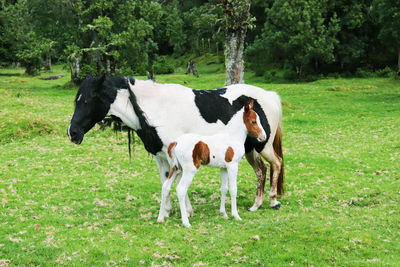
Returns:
<point x="131" y="80"/>
<point x="99" y="82"/>
<point x="246" y="107"/>
<point x="101" y="79"/>
<point x="251" y="104"/>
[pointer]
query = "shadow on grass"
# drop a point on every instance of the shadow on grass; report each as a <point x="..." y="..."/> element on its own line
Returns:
<point x="15" y="74"/>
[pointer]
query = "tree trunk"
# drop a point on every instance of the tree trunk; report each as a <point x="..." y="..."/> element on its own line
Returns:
<point x="48" y="62"/>
<point x="234" y="57"/>
<point x="237" y="23"/>
<point x="75" y="72"/>
<point x="398" y="64"/>
<point x="108" y="67"/>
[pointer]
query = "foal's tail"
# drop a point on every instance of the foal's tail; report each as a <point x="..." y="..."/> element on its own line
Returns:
<point x="277" y="144"/>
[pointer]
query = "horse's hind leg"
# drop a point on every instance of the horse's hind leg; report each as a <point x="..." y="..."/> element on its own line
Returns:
<point x="224" y="190"/>
<point x="166" y="188"/>
<point x="276" y="163"/>
<point x="259" y="168"/>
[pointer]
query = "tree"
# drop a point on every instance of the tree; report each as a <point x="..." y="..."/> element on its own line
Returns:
<point x="111" y="35"/>
<point x="356" y="35"/>
<point x="299" y="32"/>
<point x="237" y="20"/>
<point x="389" y="18"/>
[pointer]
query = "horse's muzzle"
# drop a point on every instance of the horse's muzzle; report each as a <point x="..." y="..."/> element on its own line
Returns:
<point x="75" y="136"/>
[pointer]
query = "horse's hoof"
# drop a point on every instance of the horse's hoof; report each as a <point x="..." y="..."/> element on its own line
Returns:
<point x="276" y="207"/>
<point x="254" y="208"/>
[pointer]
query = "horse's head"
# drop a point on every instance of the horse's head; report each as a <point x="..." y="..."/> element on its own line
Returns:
<point x="252" y="122"/>
<point x="92" y="104"/>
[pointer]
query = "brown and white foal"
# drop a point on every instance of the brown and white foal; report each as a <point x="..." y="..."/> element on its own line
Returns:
<point x="224" y="150"/>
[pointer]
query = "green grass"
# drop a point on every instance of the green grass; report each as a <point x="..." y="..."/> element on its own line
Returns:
<point x="90" y="205"/>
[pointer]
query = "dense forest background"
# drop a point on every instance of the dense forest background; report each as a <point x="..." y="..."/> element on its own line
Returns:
<point x="302" y="38"/>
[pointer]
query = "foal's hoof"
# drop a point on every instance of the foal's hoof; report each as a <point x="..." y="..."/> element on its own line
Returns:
<point x="277" y="206"/>
<point x="187" y="225"/>
<point x="237" y="218"/>
<point x="224" y="215"/>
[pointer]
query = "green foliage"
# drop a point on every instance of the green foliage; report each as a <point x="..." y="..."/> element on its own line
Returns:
<point x="313" y="36"/>
<point x="163" y="66"/>
<point x="88" y="69"/>
<point x="300" y="32"/>
<point x="386" y="72"/>
<point x="364" y="73"/>
<point x="31" y="55"/>
<point x="389" y="17"/>
<point x="257" y="56"/>
<point x="290" y="75"/>
<point x="237" y="15"/>
<point x="269" y="75"/>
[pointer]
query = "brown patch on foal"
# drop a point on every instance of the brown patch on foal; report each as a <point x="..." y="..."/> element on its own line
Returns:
<point x="201" y="154"/>
<point x="250" y="120"/>
<point x="170" y="147"/>
<point x="229" y="154"/>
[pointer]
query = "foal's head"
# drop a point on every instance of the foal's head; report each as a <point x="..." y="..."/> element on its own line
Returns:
<point x="252" y="122"/>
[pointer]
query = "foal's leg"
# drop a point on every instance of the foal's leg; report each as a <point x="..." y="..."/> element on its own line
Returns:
<point x="259" y="168"/>
<point x="224" y="189"/>
<point x="166" y="188"/>
<point x="189" y="208"/>
<point x="181" y="190"/>
<point x="232" y="176"/>
<point x="163" y="168"/>
<point x="276" y="163"/>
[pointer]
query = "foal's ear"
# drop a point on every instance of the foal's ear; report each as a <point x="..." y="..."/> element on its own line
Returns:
<point x="251" y="104"/>
<point x="246" y="107"/>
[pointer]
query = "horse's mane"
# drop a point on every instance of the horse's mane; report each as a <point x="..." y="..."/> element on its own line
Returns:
<point x="147" y="133"/>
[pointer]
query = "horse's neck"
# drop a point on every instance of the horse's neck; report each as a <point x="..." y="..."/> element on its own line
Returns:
<point x="123" y="109"/>
<point x="236" y="128"/>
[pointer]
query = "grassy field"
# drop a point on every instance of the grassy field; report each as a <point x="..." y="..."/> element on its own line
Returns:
<point x="90" y="205"/>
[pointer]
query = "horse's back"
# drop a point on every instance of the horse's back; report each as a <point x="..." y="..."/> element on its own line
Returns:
<point x="175" y="109"/>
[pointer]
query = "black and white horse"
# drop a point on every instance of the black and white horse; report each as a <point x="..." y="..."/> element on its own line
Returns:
<point x="159" y="113"/>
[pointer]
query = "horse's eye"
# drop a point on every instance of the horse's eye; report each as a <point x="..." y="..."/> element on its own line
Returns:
<point x="254" y="122"/>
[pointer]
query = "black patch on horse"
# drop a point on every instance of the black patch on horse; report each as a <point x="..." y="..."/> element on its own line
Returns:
<point x="147" y="133"/>
<point x="213" y="107"/>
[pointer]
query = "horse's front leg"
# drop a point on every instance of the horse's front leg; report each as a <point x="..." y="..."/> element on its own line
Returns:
<point x="163" y="168"/>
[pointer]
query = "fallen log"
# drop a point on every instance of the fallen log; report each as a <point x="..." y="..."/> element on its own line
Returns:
<point x="54" y="77"/>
